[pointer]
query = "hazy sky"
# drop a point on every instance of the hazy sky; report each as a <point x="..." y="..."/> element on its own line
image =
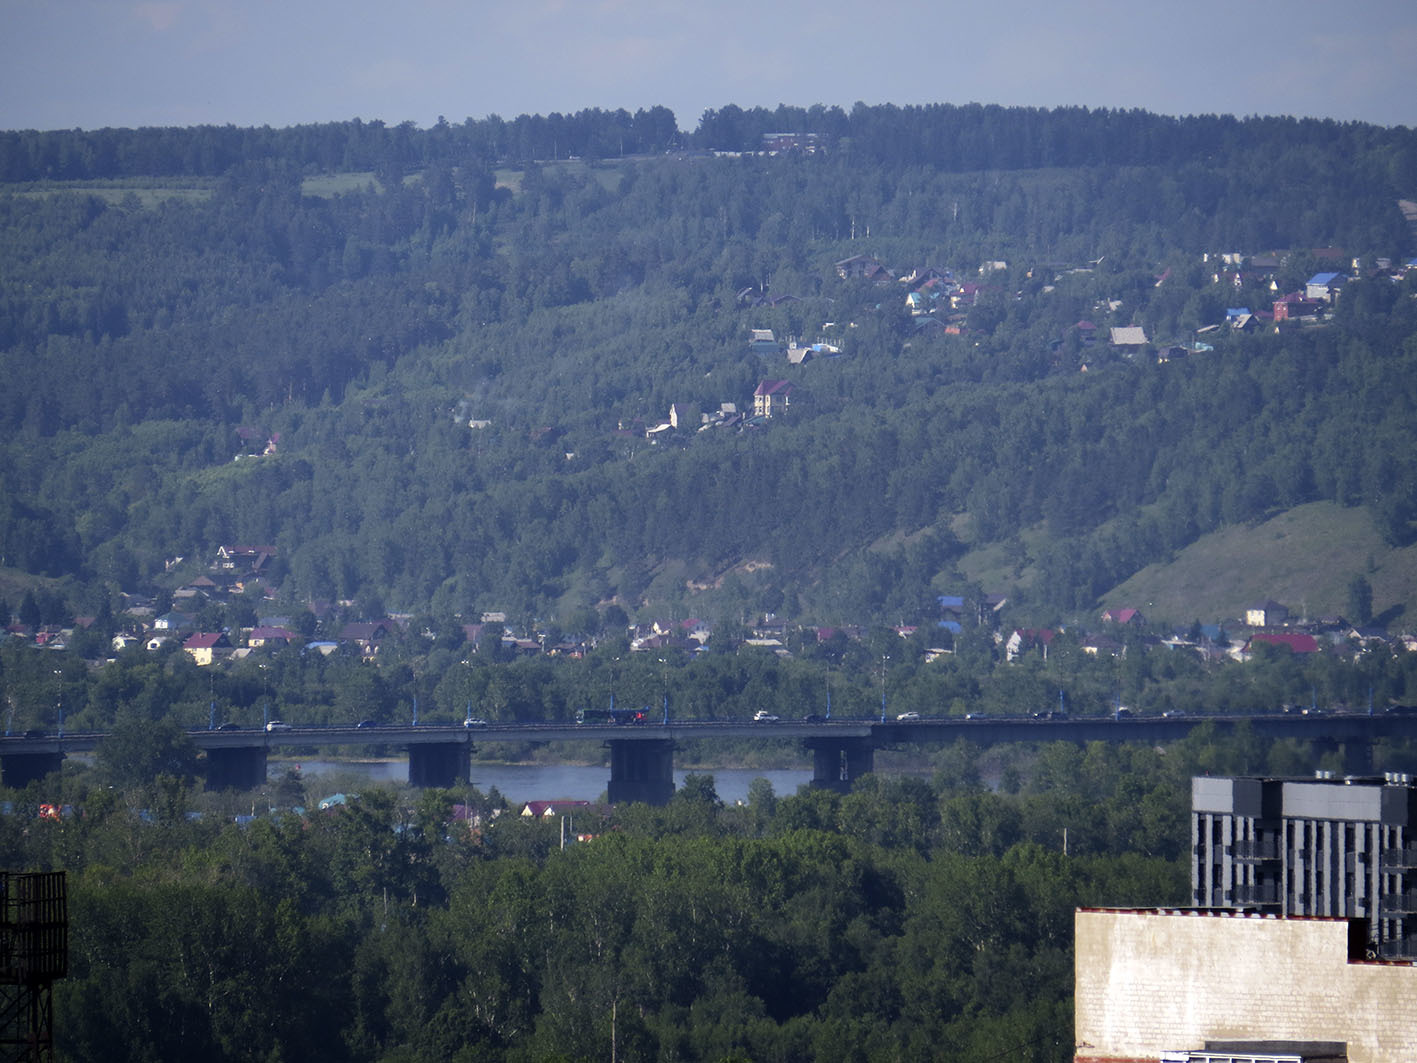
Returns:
<point x="95" y="63"/>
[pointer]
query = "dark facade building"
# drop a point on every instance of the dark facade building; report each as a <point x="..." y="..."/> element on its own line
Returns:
<point x="1344" y="846"/>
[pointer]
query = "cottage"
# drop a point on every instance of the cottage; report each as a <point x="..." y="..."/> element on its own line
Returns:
<point x="368" y="636"/>
<point x="772" y="397"/>
<point x="1266" y="614"/>
<point x="862" y="267"/>
<point x="273" y="637"/>
<point x="1024" y="639"/>
<point x="1129" y="339"/>
<point x="1296" y="307"/>
<point x="1324" y="287"/>
<point x="203" y="646"/>
<point x="243" y="558"/>
<point x="1127" y="617"/>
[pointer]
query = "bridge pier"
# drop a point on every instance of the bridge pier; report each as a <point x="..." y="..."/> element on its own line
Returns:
<point x="1358" y="756"/>
<point x="838" y="762"/>
<point x="20" y="769"/>
<point x="236" y="768"/>
<point x="641" y="770"/>
<point x="441" y="764"/>
<point x="1357" y="753"/>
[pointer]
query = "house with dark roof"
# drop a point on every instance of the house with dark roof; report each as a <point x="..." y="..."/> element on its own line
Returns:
<point x="862" y="267"/>
<point x="1296" y="306"/>
<point x="172" y="621"/>
<point x="367" y="635"/>
<point x="772" y="397"/>
<point x="243" y="558"/>
<point x="764" y="344"/>
<point x="272" y="637"/>
<point x="1266" y="614"/>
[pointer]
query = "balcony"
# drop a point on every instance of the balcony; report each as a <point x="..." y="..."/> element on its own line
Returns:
<point x="1265" y="894"/>
<point x="1260" y="850"/>
<point x="1398" y="859"/>
<point x="1403" y="948"/>
<point x="1401" y="903"/>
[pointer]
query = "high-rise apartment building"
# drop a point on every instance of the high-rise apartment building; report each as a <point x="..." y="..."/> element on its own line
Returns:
<point x="1325" y="846"/>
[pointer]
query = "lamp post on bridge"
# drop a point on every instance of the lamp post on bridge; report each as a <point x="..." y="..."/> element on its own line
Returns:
<point x="664" y="676"/>
<point x="884" y="658"/>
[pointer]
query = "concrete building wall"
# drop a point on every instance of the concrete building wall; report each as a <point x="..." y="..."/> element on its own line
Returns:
<point x="1154" y="981"/>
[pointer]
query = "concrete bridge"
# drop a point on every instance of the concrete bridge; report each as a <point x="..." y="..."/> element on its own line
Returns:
<point x="642" y="755"/>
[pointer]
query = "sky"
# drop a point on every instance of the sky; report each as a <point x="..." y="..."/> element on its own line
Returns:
<point x="125" y="63"/>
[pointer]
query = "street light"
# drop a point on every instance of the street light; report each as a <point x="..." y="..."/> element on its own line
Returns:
<point x="884" y="658"/>
<point x="59" y="700"/>
<point x="664" y="674"/>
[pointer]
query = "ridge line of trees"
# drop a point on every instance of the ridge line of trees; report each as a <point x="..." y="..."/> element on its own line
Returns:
<point x="955" y="138"/>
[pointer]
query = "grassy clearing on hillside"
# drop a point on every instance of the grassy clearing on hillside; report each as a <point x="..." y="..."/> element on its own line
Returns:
<point x="337" y="184"/>
<point x="1303" y="558"/>
<point x="147" y="193"/>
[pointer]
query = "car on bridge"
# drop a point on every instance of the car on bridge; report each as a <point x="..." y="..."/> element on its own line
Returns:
<point x="470" y="722"/>
<point x="907" y="717"/>
<point x="277" y="725"/>
<point x="763" y="716"/>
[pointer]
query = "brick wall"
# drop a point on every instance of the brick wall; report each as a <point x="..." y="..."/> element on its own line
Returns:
<point x="1151" y="981"/>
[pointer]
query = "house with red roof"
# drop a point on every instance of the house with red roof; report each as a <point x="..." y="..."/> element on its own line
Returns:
<point x="1295" y="641"/>
<point x="1024" y="639"/>
<point x="1125" y="617"/>
<point x="204" y="646"/>
<point x="772" y="397"/>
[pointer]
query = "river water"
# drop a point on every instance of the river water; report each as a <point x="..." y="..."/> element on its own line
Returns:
<point x="519" y="783"/>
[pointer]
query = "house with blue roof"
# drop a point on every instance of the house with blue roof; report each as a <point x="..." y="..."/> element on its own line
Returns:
<point x="1324" y="286"/>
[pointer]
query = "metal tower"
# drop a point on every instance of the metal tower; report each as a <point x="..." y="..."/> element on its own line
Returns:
<point x="34" y="951"/>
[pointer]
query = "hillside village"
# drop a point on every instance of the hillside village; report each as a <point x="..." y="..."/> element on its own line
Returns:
<point x="225" y="612"/>
<point x="938" y="301"/>
<point x="226" y="615"/>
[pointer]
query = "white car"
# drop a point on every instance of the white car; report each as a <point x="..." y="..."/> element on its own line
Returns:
<point x="277" y="725"/>
<point x="906" y="717"/>
<point x="763" y="716"/>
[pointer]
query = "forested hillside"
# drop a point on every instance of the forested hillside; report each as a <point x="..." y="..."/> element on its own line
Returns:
<point x="352" y="299"/>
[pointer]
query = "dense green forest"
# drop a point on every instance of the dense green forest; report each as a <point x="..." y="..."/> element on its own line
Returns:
<point x="913" y="918"/>
<point x="360" y="294"/>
